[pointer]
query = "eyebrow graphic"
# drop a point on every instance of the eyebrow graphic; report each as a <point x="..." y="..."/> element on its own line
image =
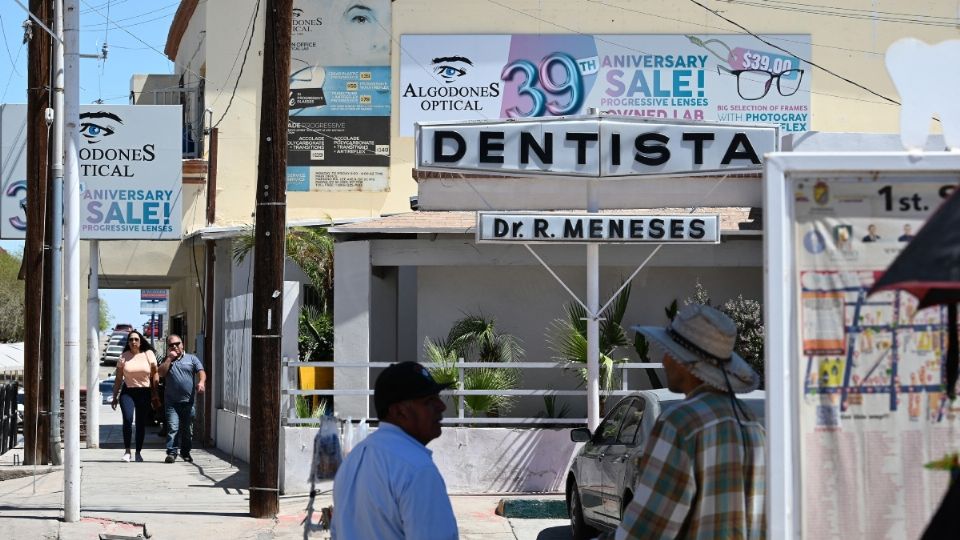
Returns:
<point x="101" y="114"/>
<point x="452" y="59"/>
<point x="359" y="6"/>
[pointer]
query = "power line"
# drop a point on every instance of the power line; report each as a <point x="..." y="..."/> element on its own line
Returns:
<point x="779" y="48"/>
<point x="848" y="13"/>
<point x="7" y="46"/>
<point x="703" y="25"/>
<point x="236" y="84"/>
<point x="10" y="78"/>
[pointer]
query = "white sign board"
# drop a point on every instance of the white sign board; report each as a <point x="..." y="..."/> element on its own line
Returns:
<point x="130" y="172"/>
<point x="855" y="387"/>
<point x="153" y="301"/>
<point x="700" y="77"/>
<point x="497" y="227"/>
<point x="593" y="146"/>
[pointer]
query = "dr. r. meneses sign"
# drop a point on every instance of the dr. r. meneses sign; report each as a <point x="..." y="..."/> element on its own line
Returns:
<point x="593" y="147"/>
<point x="555" y="228"/>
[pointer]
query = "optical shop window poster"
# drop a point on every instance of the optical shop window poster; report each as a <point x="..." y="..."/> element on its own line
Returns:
<point x="728" y="78"/>
<point x="873" y="410"/>
<point x="339" y="125"/>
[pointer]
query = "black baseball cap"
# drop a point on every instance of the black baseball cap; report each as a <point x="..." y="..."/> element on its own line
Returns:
<point x="403" y="381"/>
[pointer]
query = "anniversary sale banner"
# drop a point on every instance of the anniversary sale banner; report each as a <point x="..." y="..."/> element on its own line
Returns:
<point x="733" y="78"/>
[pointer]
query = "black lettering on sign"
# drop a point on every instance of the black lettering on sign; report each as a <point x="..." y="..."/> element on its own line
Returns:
<point x="500" y="228"/>
<point x="491" y="141"/>
<point x="457" y="155"/>
<point x="636" y="228"/>
<point x="656" y="228"/>
<point x="616" y="228"/>
<point x="539" y="228"/>
<point x="582" y="139"/>
<point x="676" y="228"/>
<point x="596" y="228"/>
<point x="572" y="228"/>
<point x="615" y="149"/>
<point x="696" y="229"/>
<point x="656" y="154"/>
<point x="734" y="152"/>
<point x="698" y="139"/>
<point x="517" y="225"/>
<point x="529" y="142"/>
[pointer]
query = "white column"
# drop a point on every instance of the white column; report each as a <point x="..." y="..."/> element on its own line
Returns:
<point x="71" y="99"/>
<point x="593" y="323"/>
<point x="351" y="314"/>
<point x="93" y="348"/>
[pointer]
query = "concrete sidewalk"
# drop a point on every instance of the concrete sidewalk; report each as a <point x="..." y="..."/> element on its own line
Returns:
<point x="206" y="498"/>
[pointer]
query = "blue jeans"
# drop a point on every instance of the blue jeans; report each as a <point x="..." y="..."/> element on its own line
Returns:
<point x="179" y="414"/>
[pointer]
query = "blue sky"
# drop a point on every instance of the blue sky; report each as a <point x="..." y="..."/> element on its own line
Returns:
<point x="135" y="37"/>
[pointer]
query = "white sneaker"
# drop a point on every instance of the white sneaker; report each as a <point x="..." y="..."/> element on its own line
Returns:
<point x="126" y="457"/>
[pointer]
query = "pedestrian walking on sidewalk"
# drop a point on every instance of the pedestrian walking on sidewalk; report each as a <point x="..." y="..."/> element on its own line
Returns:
<point x="388" y="487"/>
<point x="702" y="472"/>
<point x="135" y="388"/>
<point x="183" y="378"/>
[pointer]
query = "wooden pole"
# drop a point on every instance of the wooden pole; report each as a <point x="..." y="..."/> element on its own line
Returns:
<point x="209" y="292"/>
<point x="38" y="100"/>
<point x="269" y="230"/>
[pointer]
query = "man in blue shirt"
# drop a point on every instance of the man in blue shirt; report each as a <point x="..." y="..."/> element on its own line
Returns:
<point x="388" y="486"/>
<point x="178" y="371"/>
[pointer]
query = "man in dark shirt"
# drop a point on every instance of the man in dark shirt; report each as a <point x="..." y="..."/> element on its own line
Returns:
<point x="178" y="372"/>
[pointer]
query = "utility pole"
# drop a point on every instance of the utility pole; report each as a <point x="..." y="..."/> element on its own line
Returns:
<point x="38" y="98"/>
<point x="269" y="230"/>
<point x="71" y="258"/>
<point x="56" y="248"/>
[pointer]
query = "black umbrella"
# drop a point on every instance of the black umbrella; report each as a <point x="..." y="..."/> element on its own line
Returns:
<point x="929" y="269"/>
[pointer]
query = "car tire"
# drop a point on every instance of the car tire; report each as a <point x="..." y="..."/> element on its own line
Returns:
<point x="578" y="527"/>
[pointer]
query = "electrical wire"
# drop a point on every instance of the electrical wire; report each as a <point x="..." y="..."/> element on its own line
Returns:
<point x="6" y="45"/>
<point x="6" y="87"/>
<point x="849" y="13"/>
<point x="704" y="25"/>
<point x="96" y="26"/>
<point x="781" y="49"/>
<point x="236" y="84"/>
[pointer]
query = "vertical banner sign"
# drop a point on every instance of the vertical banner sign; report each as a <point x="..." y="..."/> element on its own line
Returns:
<point x="153" y="301"/>
<point x="339" y="127"/>
<point x="726" y="78"/>
<point x="130" y="172"/>
<point x="872" y="406"/>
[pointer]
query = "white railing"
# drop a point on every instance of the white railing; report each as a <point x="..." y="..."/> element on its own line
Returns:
<point x="460" y="393"/>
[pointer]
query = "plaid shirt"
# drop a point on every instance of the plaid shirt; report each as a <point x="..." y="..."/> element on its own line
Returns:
<point x="696" y="479"/>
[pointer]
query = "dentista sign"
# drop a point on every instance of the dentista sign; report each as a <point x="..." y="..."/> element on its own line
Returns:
<point x="595" y="146"/>
<point x="552" y="228"/>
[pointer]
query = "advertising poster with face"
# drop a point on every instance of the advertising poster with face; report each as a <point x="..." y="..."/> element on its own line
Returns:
<point x="130" y="172"/>
<point x="339" y="126"/>
<point x="872" y="402"/>
<point x="732" y="78"/>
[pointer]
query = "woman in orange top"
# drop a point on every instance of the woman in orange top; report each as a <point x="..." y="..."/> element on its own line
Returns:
<point x="137" y="369"/>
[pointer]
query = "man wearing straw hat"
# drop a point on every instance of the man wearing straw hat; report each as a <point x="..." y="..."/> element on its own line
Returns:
<point x="702" y="472"/>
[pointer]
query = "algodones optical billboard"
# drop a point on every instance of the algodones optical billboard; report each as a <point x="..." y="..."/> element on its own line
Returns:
<point x="130" y="172"/>
<point x="727" y="78"/>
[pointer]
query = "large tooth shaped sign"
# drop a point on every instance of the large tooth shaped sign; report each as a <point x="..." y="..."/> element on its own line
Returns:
<point x="927" y="78"/>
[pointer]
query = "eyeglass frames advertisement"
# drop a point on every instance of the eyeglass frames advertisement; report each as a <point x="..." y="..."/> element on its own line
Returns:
<point x="754" y="84"/>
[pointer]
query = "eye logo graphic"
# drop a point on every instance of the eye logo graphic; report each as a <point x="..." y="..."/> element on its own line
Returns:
<point x="14" y="190"/>
<point x="451" y="68"/>
<point x="97" y="126"/>
<point x="297" y="13"/>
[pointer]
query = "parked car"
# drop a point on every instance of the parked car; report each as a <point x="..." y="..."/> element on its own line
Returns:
<point x="604" y="472"/>
<point x="120" y="327"/>
<point x="106" y="390"/>
<point x="111" y="353"/>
